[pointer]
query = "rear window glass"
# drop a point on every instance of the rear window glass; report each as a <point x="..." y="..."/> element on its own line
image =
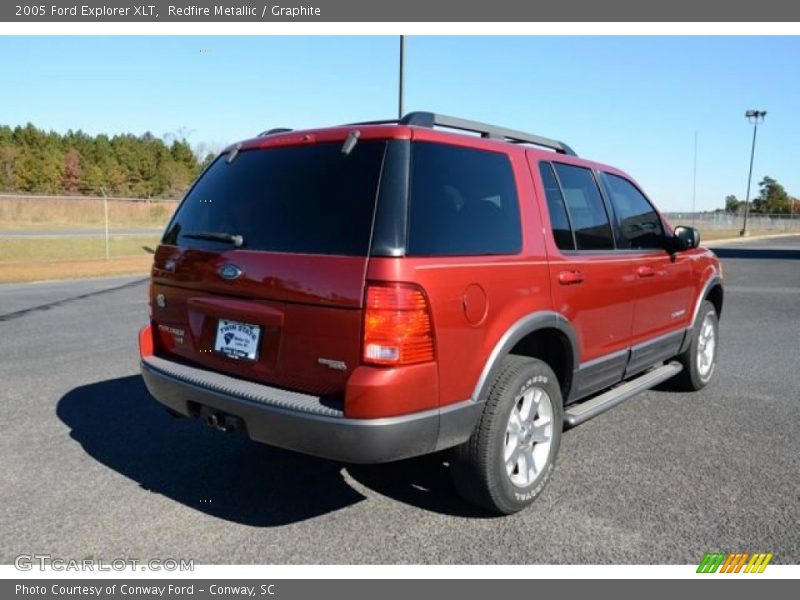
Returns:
<point x="303" y="199"/>
<point x="462" y="202"/>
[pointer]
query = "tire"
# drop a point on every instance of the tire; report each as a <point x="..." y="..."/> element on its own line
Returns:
<point x="700" y="358"/>
<point x="522" y="417"/>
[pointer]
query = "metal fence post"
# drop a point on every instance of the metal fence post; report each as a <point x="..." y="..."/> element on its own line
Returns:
<point x="105" y="210"/>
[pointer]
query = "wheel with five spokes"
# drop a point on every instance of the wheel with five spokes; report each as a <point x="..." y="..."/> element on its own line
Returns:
<point x="508" y="460"/>
<point x="700" y="358"/>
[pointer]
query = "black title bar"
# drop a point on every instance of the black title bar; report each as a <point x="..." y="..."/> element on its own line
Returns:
<point x="403" y="589"/>
<point x="440" y="11"/>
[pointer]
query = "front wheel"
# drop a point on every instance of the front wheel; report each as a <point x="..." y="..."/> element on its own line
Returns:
<point x="508" y="460"/>
<point x="700" y="358"/>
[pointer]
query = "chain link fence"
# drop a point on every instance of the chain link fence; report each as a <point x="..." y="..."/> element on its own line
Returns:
<point x="51" y="237"/>
<point x="778" y="223"/>
<point x="20" y="213"/>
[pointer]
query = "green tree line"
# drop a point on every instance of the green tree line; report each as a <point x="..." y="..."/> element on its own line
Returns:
<point x="35" y="161"/>
<point x="772" y="199"/>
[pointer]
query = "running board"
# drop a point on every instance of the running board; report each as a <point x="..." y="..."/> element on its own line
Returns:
<point x="578" y="413"/>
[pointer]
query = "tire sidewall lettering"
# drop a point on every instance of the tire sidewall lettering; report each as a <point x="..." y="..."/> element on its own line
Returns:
<point x="523" y="495"/>
<point x="539" y="485"/>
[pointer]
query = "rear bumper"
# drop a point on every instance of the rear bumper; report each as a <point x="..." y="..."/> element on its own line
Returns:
<point x="306" y="423"/>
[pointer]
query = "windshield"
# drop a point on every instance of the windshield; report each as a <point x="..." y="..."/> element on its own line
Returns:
<point x="303" y="199"/>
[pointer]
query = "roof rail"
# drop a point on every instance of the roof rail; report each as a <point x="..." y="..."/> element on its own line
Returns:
<point x="275" y="130"/>
<point x="431" y="120"/>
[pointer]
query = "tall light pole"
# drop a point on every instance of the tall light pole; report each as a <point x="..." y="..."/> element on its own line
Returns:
<point x="402" y="76"/>
<point x="755" y="117"/>
<point x="694" y="180"/>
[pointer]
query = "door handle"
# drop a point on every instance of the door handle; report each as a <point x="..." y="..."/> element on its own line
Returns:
<point x="645" y="271"/>
<point x="570" y="277"/>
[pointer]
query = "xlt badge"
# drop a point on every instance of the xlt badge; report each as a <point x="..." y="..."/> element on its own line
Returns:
<point x="336" y="365"/>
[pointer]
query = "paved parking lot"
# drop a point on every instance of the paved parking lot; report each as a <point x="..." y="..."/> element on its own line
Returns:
<point x="91" y="466"/>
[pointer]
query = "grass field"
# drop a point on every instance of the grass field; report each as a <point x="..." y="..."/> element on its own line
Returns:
<point x="33" y="259"/>
<point x="77" y="213"/>
<point x="73" y="248"/>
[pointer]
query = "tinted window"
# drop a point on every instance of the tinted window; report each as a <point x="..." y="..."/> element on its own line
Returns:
<point x="640" y="224"/>
<point x="462" y="202"/>
<point x="304" y="199"/>
<point x="562" y="232"/>
<point x="586" y="209"/>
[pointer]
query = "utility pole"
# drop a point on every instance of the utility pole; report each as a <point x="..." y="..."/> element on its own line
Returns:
<point x="402" y="76"/>
<point x="755" y="117"/>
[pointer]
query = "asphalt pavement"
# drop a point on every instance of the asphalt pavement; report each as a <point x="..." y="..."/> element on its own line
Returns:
<point x="91" y="466"/>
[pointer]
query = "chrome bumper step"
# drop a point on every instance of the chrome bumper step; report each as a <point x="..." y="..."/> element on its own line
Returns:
<point x="583" y="411"/>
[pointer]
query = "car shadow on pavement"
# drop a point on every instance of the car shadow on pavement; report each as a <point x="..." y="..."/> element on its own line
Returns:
<point x="222" y="474"/>
<point x="225" y="474"/>
<point x="763" y="253"/>
<point x="423" y="482"/>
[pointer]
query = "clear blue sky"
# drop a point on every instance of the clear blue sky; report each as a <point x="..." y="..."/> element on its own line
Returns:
<point x="634" y="102"/>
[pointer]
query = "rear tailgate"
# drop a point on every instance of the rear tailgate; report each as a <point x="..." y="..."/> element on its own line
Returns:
<point x="300" y="320"/>
<point x="291" y="293"/>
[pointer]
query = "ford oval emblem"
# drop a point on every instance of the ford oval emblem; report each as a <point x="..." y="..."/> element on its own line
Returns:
<point x="229" y="271"/>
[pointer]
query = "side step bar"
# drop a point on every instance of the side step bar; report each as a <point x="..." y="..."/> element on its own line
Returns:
<point x="583" y="411"/>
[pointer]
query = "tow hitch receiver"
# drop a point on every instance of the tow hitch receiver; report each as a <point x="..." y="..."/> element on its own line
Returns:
<point x="219" y="420"/>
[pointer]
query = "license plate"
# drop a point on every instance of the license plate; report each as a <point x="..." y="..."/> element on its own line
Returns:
<point x="237" y="340"/>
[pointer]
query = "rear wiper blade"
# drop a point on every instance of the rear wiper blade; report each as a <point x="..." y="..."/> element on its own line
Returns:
<point x="231" y="238"/>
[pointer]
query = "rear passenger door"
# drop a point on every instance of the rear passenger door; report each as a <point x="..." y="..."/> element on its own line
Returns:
<point x="592" y="286"/>
<point x="663" y="280"/>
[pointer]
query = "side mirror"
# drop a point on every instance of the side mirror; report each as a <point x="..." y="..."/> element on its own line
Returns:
<point x="686" y="238"/>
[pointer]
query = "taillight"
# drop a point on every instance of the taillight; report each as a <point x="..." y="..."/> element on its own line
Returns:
<point x="146" y="341"/>
<point x="397" y="326"/>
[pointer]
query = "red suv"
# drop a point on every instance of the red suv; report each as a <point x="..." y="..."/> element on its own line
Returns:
<point x="382" y="290"/>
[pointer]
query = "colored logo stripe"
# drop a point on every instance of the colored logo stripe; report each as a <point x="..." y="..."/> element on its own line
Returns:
<point x="759" y="561"/>
<point x="737" y="563"/>
<point x="733" y="563"/>
<point x="711" y="562"/>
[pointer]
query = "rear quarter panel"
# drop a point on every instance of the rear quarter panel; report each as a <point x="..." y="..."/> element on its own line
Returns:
<point x="475" y="299"/>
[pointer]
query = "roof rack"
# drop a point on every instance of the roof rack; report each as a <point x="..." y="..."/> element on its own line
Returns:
<point x="275" y="130"/>
<point x="431" y="120"/>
